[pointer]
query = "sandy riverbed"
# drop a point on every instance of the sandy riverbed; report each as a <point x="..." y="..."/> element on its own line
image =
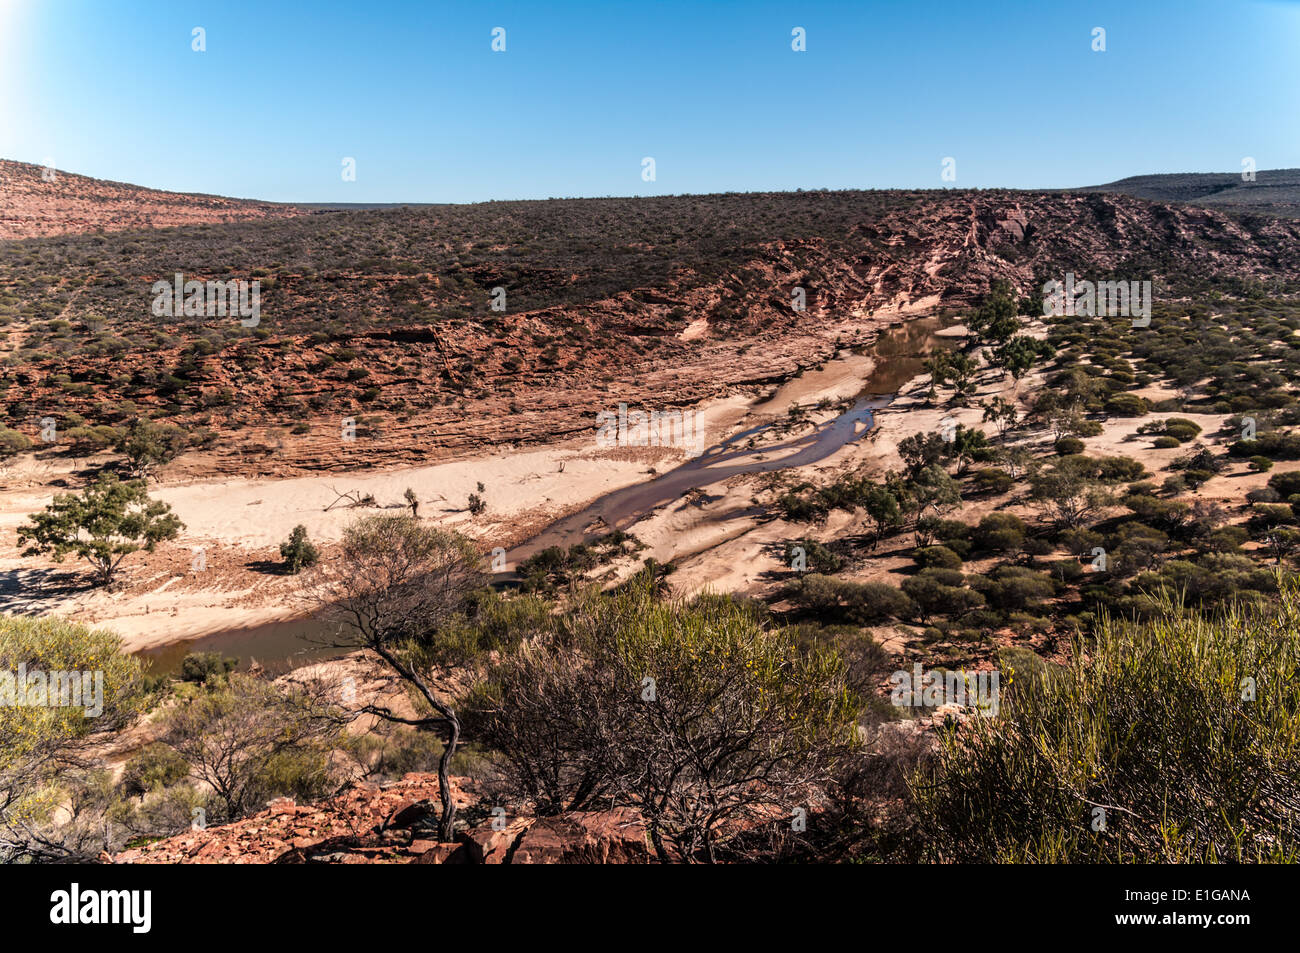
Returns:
<point x="218" y="575"/>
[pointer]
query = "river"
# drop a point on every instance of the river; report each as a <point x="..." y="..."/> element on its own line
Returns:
<point x="897" y="354"/>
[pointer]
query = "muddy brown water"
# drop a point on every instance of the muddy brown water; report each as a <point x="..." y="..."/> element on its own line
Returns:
<point x="898" y="354"/>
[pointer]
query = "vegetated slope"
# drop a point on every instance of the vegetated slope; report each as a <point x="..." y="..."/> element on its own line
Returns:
<point x="35" y="203"/>
<point x="385" y="315"/>
<point x="1274" y="191"/>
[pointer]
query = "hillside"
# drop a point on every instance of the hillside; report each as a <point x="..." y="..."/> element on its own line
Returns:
<point x="36" y="203"/>
<point x="1274" y="191"/>
<point x="385" y="315"/>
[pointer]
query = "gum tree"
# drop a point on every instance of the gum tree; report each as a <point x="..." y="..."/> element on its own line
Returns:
<point x="105" y="523"/>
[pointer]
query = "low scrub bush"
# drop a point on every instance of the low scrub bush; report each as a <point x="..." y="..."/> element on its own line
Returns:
<point x="1174" y="741"/>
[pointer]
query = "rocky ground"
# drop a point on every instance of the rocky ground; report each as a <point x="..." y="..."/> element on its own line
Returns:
<point x="396" y="824"/>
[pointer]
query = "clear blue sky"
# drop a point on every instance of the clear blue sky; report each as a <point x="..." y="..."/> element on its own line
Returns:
<point x="1011" y="89"/>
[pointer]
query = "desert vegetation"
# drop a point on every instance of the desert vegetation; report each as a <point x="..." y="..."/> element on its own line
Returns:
<point x="1077" y="535"/>
<point x="1119" y="597"/>
<point x="1164" y="740"/>
<point x="1169" y="741"/>
<point x="1103" y="513"/>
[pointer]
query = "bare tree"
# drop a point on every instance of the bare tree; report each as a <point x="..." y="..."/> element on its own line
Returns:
<point x="697" y="716"/>
<point x="352" y="499"/>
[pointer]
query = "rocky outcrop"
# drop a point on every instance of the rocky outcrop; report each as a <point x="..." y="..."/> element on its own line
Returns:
<point x="593" y="837"/>
<point x="396" y="824"/>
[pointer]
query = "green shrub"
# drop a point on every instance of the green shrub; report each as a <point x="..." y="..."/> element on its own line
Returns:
<point x="1226" y="539"/>
<point x="1127" y="405"/>
<point x="1014" y="588"/>
<point x="992" y="480"/>
<point x="951" y="533"/>
<point x="798" y="508"/>
<point x="250" y="740"/>
<point x="933" y="594"/>
<point x="864" y="603"/>
<point x="148" y="445"/>
<point x="203" y="668"/>
<point x="817" y="557"/>
<point x="45" y="749"/>
<point x="940" y="557"/>
<point x="1000" y="533"/>
<point x="298" y="552"/>
<point x="696" y="697"/>
<point x="1080" y="542"/>
<point x="12" y="442"/>
<point x="873" y="602"/>
<point x="392" y="751"/>
<point x="153" y="767"/>
<point x="1068" y="571"/>
<point x="1274" y="444"/>
<point x="1183" y="732"/>
<point x="1285" y="483"/>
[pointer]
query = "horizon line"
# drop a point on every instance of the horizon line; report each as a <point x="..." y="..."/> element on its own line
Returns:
<point x="570" y="198"/>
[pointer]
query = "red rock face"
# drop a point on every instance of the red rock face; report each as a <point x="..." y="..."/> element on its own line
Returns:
<point x="34" y="203"/>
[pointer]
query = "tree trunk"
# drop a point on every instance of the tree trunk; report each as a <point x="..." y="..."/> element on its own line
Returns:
<point x="444" y="782"/>
<point x="657" y="841"/>
<point x="453" y="734"/>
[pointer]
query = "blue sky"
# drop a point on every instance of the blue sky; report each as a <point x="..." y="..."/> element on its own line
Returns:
<point x="1012" y="90"/>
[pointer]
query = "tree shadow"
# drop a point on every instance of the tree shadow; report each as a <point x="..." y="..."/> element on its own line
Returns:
<point x="267" y="567"/>
<point x="24" y="591"/>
